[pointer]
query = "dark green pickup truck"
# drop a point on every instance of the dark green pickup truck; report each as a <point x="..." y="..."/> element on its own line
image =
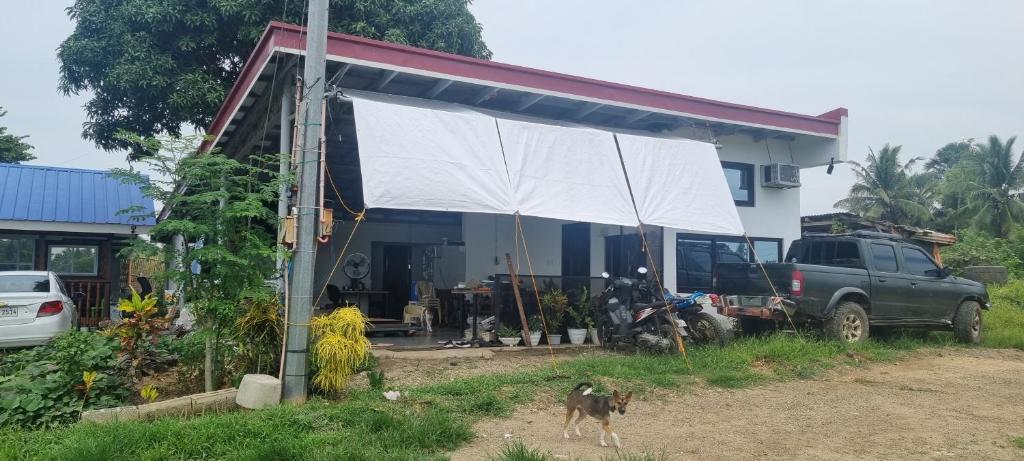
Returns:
<point x="851" y="284"/>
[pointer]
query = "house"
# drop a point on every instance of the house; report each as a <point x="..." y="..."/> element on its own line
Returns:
<point x="757" y="152"/>
<point x="70" y="221"/>
<point x="931" y="240"/>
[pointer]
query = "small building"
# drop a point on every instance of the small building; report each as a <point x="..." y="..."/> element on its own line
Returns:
<point x="756" y="156"/>
<point x="72" y="222"/>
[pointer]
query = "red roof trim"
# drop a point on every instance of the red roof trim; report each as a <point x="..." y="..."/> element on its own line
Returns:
<point x="293" y="37"/>
<point x="250" y="72"/>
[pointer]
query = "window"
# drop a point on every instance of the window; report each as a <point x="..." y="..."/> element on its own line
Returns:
<point x="740" y="177"/>
<point x="17" y="254"/>
<point x="733" y="252"/>
<point x="768" y="251"/>
<point x="24" y="284"/>
<point x="697" y="256"/>
<point x="918" y="263"/>
<point x="843" y="253"/>
<point x="884" y="257"/>
<point x="74" y="260"/>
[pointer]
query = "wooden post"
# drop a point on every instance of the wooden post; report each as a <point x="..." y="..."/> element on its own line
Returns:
<point x="519" y="300"/>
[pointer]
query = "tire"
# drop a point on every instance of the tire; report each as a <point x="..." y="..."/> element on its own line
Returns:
<point x="849" y="323"/>
<point x="756" y="327"/>
<point x="706" y="329"/>
<point x="967" y="323"/>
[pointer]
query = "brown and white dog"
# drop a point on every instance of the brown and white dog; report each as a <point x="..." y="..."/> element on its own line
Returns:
<point x="600" y="407"/>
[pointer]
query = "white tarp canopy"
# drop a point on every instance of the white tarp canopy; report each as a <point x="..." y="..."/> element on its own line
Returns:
<point x="418" y="155"/>
<point x="427" y="155"/>
<point x="567" y="173"/>
<point x="679" y="183"/>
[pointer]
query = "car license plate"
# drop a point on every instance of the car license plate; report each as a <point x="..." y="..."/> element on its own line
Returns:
<point x="8" y="311"/>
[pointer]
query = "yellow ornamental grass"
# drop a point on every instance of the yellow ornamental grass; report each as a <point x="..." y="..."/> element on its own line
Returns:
<point x="339" y="347"/>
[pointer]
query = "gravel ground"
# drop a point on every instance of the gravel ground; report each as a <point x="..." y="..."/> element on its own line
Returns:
<point x="945" y="404"/>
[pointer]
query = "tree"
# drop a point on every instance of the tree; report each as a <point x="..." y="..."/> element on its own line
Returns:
<point x="155" y="65"/>
<point x="886" y="190"/>
<point x="992" y="183"/>
<point x="13" y="149"/>
<point x="222" y="209"/>
<point x="949" y="156"/>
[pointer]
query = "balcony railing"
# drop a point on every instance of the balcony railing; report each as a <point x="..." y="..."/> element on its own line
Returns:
<point x="92" y="297"/>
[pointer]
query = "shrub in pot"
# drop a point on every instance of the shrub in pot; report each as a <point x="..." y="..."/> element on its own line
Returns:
<point x="509" y="336"/>
<point x="577" y="319"/>
<point x="536" y="329"/>
<point x="556" y="305"/>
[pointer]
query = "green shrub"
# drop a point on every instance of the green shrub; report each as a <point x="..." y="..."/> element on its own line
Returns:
<point x="43" y="387"/>
<point x="977" y="249"/>
<point x="1010" y="294"/>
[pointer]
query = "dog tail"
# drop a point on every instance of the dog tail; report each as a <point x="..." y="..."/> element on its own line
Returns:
<point x="582" y="385"/>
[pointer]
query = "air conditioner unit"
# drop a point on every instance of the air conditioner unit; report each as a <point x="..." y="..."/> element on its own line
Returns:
<point x="781" y="176"/>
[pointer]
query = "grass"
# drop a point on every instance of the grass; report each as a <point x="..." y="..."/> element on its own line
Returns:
<point x="431" y="420"/>
<point x="1018" y="442"/>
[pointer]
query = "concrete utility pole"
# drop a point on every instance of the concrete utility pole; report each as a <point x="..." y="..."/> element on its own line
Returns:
<point x="296" y="357"/>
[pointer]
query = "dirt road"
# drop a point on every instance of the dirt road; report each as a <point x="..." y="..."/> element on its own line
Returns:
<point x="939" y="404"/>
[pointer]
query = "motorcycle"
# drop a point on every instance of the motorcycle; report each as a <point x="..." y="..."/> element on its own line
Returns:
<point x="626" y="319"/>
<point x="703" y="328"/>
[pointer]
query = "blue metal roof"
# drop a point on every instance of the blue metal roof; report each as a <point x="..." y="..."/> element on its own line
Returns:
<point x="69" y="195"/>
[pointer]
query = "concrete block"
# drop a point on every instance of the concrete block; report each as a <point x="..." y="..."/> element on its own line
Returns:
<point x="177" y="407"/>
<point x="105" y="415"/>
<point x="258" y="391"/>
<point x="221" y="400"/>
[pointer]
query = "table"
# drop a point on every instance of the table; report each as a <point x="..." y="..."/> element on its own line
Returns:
<point x="359" y="294"/>
<point x="476" y="341"/>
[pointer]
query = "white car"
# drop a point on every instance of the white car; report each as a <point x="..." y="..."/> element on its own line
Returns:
<point x="34" y="307"/>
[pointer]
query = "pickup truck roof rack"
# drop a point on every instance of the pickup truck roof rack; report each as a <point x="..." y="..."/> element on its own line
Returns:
<point x="859" y="234"/>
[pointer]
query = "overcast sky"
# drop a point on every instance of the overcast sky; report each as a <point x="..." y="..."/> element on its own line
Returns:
<point x="917" y="73"/>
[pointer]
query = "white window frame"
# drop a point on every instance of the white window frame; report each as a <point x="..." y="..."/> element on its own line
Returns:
<point x="95" y="263"/>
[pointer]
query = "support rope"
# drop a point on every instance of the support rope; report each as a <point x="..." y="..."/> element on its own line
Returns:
<point x="360" y="217"/>
<point x="680" y="344"/>
<point x="536" y="291"/>
<point x="777" y="299"/>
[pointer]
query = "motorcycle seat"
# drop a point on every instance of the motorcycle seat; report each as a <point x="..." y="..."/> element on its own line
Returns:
<point x="641" y="306"/>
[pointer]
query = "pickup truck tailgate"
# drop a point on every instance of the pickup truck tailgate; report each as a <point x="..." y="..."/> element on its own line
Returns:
<point x="749" y="279"/>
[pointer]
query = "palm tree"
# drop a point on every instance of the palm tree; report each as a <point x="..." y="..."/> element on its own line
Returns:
<point x="886" y="189"/>
<point x="993" y="188"/>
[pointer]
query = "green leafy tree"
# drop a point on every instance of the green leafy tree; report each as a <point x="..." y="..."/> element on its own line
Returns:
<point x="222" y="209"/>
<point x="887" y="190"/>
<point x="949" y="156"/>
<point x="13" y="149"/>
<point x="992" y="183"/>
<point x="152" y="66"/>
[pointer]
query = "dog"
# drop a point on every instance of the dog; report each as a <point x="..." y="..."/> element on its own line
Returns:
<point x="600" y="407"/>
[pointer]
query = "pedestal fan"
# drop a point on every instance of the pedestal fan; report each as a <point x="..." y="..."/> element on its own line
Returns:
<point x="356" y="267"/>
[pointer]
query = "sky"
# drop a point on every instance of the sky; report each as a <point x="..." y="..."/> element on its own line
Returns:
<point x="915" y="73"/>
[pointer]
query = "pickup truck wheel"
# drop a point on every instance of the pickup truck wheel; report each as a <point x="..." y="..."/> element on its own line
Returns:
<point x="849" y="324"/>
<point x="967" y="323"/>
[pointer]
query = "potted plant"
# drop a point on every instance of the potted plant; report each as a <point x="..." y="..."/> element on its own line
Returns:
<point x="578" y="314"/>
<point x="555" y="304"/>
<point x="509" y="336"/>
<point x="536" y="329"/>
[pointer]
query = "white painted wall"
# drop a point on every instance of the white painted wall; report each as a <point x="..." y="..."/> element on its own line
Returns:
<point x="489" y="237"/>
<point x="776" y="212"/>
<point x="369" y="232"/>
